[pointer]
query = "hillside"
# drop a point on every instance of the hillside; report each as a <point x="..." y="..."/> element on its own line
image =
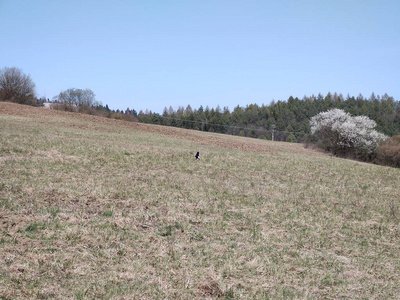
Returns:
<point x="93" y="208"/>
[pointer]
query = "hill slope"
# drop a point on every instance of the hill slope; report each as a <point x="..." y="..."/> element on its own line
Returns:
<point x="98" y="208"/>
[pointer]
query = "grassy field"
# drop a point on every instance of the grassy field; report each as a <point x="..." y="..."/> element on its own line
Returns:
<point x="93" y="208"/>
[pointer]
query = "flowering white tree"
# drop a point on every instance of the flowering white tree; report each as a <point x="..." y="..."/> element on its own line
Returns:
<point x="339" y="132"/>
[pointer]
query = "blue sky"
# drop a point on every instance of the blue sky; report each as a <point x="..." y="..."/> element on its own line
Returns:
<point x="156" y="54"/>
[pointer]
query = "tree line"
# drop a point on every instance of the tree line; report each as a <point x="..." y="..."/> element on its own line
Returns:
<point x="282" y="120"/>
<point x="84" y="101"/>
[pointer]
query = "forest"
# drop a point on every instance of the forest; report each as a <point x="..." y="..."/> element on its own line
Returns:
<point x="281" y="120"/>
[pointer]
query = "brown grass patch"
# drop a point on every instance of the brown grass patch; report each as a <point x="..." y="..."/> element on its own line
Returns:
<point x="92" y="208"/>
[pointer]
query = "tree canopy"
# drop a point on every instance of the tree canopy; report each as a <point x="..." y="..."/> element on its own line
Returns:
<point x="343" y="134"/>
<point x="77" y="97"/>
<point x="15" y="86"/>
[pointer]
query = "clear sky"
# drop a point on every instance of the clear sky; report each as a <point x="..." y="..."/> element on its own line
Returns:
<point x="148" y="54"/>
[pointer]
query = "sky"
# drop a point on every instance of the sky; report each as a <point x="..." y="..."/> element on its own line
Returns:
<point x="152" y="54"/>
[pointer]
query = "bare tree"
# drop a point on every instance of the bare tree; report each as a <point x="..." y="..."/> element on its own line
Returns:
<point x="17" y="86"/>
<point x="77" y="97"/>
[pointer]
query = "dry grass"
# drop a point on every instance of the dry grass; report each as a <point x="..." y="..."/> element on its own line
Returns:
<point x="92" y="208"/>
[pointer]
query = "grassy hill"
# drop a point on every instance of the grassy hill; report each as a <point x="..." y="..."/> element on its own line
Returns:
<point x="92" y="208"/>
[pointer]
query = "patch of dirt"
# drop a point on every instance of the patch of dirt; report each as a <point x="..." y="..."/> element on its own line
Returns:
<point x="211" y="289"/>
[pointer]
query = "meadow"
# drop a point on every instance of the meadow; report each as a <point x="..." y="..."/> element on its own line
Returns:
<point x="93" y="208"/>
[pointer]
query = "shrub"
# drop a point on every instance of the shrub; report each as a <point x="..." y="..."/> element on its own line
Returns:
<point x="345" y="135"/>
<point x="291" y="138"/>
<point x="389" y="153"/>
